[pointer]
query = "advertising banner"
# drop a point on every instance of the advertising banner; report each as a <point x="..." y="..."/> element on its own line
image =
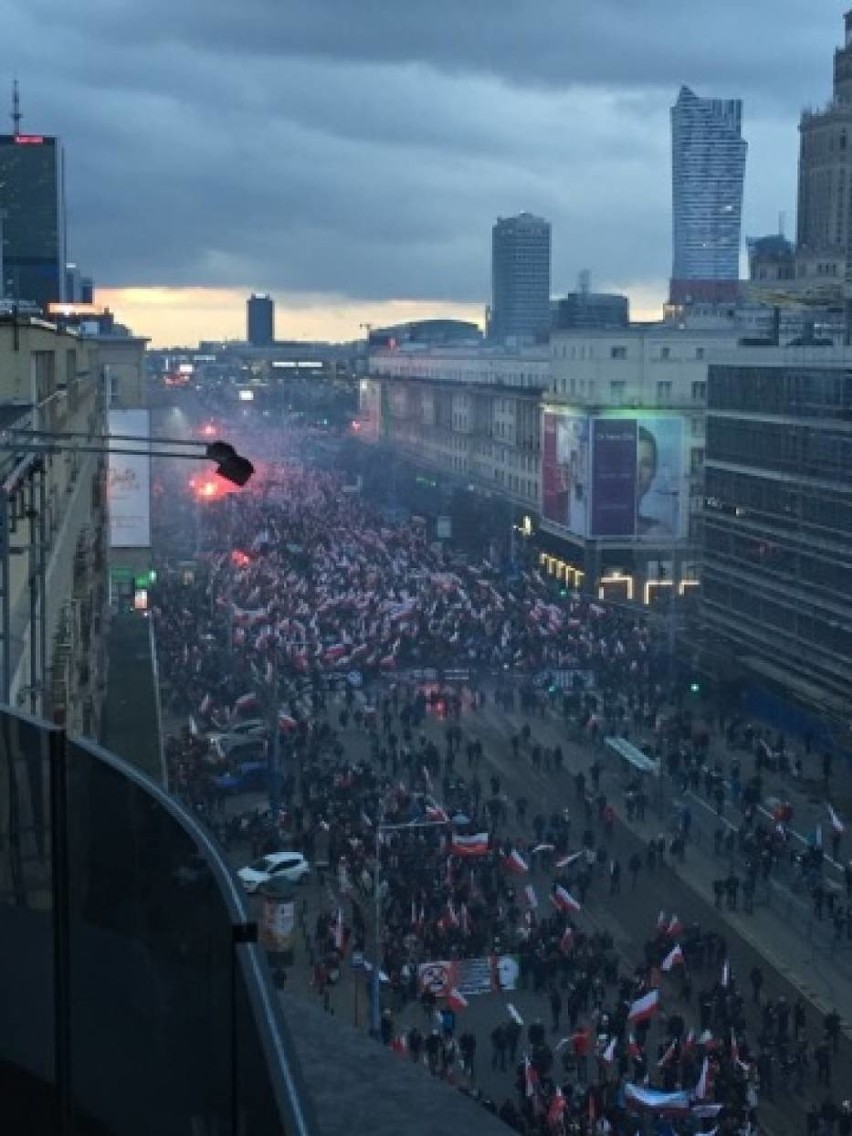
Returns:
<point x="277" y="924"/>
<point x="638" y="478"/>
<point x="129" y="485"/>
<point x="469" y="976"/>
<point x="565" y="470"/>
<point x="613" y="476"/>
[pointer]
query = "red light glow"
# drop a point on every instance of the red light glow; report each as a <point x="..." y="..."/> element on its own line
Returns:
<point x="240" y="559"/>
<point x="208" y="430"/>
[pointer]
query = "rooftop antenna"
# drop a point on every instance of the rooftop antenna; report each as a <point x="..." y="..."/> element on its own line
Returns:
<point x="16" y="108"/>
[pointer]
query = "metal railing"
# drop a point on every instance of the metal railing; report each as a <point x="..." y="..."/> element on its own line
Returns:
<point x="134" y="993"/>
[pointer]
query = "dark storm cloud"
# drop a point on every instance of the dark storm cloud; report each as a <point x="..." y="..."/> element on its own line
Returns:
<point x="364" y="146"/>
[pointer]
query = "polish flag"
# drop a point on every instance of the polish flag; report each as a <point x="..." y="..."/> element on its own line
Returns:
<point x="456" y="1000"/>
<point x="427" y="780"/>
<point x="476" y="845"/>
<point x="702" y="1089"/>
<point x="542" y="848"/>
<point x="515" y="863"/>
<point x="532" y="898"/>
<point x="667" y="1056"/>
<point x="567" y="940"/>
<point x="673" y="958"/>
<point x="436" y="813"/>
<point x="689" y="1041"/>
<point x="633" y="1046"/>
<point x="836" y="823"/>
<point x="566" y="861"/>
<point x="675" y="927"/>
<point x="608" y="1054"/>
<point x="246" y="702"/>
<point x="530" y="1079"/>
<point x="556" y="1110"/>
<point x="338" y="930"/>
<point x="564" y="900"/>
<point x="464" y="920"/>
<point x="399" y="1045"/>
<point x="513" y="1014"/>
<point x="726" y="974"/>
<point x="645" y="1007"/>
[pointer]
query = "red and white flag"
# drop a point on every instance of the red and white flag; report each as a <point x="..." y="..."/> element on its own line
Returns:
<point x="436" y="813"/>
<point x="645" y="1007"/>
<point x="564" y="900"/>
<point x="556" y="1110"/>
<point x="673" y="958"/>
<point x="836" y="823"/>
<point x="456" y="1000"/>
<point x="675" y="927"/>
<point x="532" y="898"/>
<point x="633" y="1046"/>
<point x="476" y="845"/>
<point x="399" y="1045"/>
<point x="667" y="1056"/>
<point x="515" y="863"/>
<point x="567" y="861"/>
<point x="542" y="848"/>
<point x="726" y="974"/>
<point x="338" y="930"/>
<point x="702" y="1089"/>
<point x="513" y="1014"/>
<point x="608" y="1054"/>
<point x="689" y="1041"/>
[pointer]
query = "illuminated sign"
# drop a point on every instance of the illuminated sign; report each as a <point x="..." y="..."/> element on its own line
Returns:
<point x="29" y="140"/>
<point x="72" y="310"/>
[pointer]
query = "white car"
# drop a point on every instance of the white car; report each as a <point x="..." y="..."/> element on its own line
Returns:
<point x="290" y="866"/>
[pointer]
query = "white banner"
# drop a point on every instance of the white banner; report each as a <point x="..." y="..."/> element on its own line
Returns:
<point x="130" y="482"/>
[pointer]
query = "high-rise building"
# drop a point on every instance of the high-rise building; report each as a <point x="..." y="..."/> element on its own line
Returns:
<point x="32" y="218"/>
<point x="708" y="171"/>
<point x="777" y="526"/>
<point x="520" y="279"/>
<point x="260" y="320"/>
<point x="590" y="311"/>
<point x="825" y="180"/>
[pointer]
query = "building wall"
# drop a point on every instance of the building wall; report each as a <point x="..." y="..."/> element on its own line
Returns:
<point x="518" y="368"/>
<point x="777" y="551"/>
<point x="825" y="179"/>
<point x="55" y="379"/>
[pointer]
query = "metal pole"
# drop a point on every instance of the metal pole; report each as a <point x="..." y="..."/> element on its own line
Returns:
<point x="275" y="741"/>
<point x="6" y="598"/>
<point x="61" y="901"/>
<point x="375" y="977"/>
<point x="672" y="622"/>
<point x="32" y="572"/>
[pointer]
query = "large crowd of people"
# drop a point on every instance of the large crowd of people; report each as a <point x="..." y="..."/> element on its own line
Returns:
<point x="307" y="593"/>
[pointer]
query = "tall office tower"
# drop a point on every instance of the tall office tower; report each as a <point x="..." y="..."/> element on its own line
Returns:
<point x="32" y="215"/>
<point x="708" y="171"/>
<point x="520" y="279"/>
<point x="825" y="180"/>
<point x="261" y="320"/>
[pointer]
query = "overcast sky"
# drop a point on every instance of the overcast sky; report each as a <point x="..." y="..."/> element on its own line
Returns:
<point x="347" y="153"/>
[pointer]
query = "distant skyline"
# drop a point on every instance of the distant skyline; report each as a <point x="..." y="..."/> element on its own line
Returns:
<point x="353" y="168"/>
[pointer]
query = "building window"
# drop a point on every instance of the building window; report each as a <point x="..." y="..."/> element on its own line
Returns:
<point x="664" y="392"/>
<point x="699" y="352"/>
<point x="617" y="390"/>
<point x="618" y="352"/>
<point x="665" y="352"/>
<point x="699" y="391"/>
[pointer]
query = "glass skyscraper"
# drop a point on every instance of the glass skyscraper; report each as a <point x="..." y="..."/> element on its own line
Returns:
<point x="520" y="279"/>
<point x="708" y="171"/>
<point x="32" y="218"/>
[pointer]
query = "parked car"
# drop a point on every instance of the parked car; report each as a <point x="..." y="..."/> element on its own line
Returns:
<point x="291" y="866"/>
<point x="248" y="776"/>
<point x="239" y="747"/>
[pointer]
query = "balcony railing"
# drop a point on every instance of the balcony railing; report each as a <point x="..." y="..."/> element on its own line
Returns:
<point x="134" y="997"/>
